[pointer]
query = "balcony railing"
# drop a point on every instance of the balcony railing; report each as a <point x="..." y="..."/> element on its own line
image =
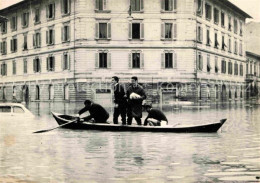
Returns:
<point x="250" y="77"/>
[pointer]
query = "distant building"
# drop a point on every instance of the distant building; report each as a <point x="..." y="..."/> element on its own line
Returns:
<point x="68" y="50"/>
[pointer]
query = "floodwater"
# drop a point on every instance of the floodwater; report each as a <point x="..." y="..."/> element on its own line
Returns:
<point x="62" y="155"/>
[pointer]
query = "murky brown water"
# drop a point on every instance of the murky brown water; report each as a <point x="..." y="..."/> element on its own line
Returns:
<point x="231" y="155"/>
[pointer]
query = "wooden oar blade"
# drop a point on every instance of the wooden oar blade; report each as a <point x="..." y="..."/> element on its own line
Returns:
<point x="42" y="131"/>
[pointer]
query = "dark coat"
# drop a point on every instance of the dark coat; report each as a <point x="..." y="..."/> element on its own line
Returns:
<point x="119" y="94"/>
<point x="156" y="114"/>
<point x="136" y="104"/>
<point x="97" y="112"/>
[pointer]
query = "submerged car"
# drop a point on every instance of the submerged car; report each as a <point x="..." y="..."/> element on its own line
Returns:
<point x="14" y="111"/>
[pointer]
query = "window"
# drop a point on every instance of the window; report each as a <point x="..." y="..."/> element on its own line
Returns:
<point x="14" y="67"/>
<point x="50" y="63"/>
<point x="4" y="27"/>
<point x="235" y="26"/>
<point x="235" y="47"/>
<point x="222" y="19"/>
<point x="50" y="36"/>
<point x="169" y="5"/>
<point x="13" y="23"/>
<point x="200" y="62"/>
<point x="5" y="109"/>
<point x="37" y="40"/>
<point x="216" y="65"/>
<point x="223" y="66"/>
<point x="65" y="7"/>
<point x="199" y="7"/>
<point x="241" y="29"/>
<point x="136" y="30"/>
<point x="17" y="109"/>
<point x="37" y="93"/>
<point x="200" y="34"/>
<point x="3" y="47"/>
<point x="103" y="30"/>
<point x="236" y="69"/>
<point x="103" y="60"/>
<point x="216" y="40"/>
<point x="50" y="11"/>
<point x="36" y="65"/>
<point x="65" y="61"/>
<point x="37" y="15"/>
<point x="65" y="33"/>
<point x="167" y="31"/>
<point x="223" y="42"/>
<point x="229" y="23"/>
<point x="230" y="68"/>
<point x="4" y="69"/>
<point x="136" y="60"/>
<point x="168" y="60"/>
<point x="137" y="5"/>
<point x="208" y="11"/>
<point x="208" y="63"/>
<point x="25" y="66"/>
<point x="101" y="5"/>
<point x="208" y="37"/>
<point x="13" y="42"/>
<point x="229" y="44"/>
<point x="240" y="48"/>
<point x="25" y="46"/>
<point x="216" y="16"/>
<point x="25" y="19"/>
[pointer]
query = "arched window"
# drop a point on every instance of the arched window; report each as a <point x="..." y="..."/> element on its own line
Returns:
<point x="216" y="90"/>
<point x="37" y="93"/>
<point x="235" y="92"/>
<point x="230" y="94"/>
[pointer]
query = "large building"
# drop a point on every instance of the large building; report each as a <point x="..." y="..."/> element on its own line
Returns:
<point x="68" y="50"/>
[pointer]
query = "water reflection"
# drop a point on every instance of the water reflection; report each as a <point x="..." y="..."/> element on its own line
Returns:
<point x="64" y="155"/>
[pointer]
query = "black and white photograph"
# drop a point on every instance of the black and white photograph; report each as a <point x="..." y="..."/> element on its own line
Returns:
<point x="129" y="91"/>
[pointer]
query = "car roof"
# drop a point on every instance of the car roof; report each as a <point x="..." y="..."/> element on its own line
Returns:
<point x="12" y="104"/>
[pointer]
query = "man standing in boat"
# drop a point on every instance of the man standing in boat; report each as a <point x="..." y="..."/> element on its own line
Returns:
<point x="96" y="111"/>
<point x="135" y="96"/>
<point x="155" y="117"/>
<point x="119" y="101"/>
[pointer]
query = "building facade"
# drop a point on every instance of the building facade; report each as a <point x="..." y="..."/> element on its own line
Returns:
<point x="68" y="50"/>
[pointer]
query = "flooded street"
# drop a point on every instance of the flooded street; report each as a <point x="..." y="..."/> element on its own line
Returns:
<point x="62" y="155"/>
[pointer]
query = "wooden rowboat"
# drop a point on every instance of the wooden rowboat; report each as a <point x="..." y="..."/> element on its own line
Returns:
<point x="207" y="128"/>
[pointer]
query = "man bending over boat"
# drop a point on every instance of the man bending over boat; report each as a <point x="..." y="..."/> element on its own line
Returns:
<point x="96" y="111"/>
<point x="155" y="117"/>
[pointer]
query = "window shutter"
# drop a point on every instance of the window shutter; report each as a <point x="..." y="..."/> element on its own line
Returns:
<point x="130" y="60"/>
<point x="96" y="60"/>
<point x="1" y="47"/>
<point x="40" y="65"/>
<point x="174" y="4"/>
<point x="68" y="36"/>
<point x="62" y="7"/>
<point x="53" y="10"/>
<point x="40" y="40"/>
<point x="163" y="60"/>
<point x="130" y="31"/>
<point x="142" y="31"/>
<point x="105" y="4"/>
<point x="132" y="3"/>
<point x="47" y="11"/>
<point x="53" y="36"/>
<point x="34" y="65"/>
<point x="27" y="19"/>
<point x="1" y="69"/>
<point x="201" y="64"/>
<point x="53" y="63"/>
<point x="34" y="39"/>
<point x="69" y="60"/>
<point x="142" y="5"/>
<point x="69" y="6"/>
<point x="175" y="31"/>
<point x="11" y="41"/>
<point x="47" y="37"/>
<point x="62" y="34"/>
<point x="97" y="30"/>
<point x="201" y="34"/>
<point x="163" y="5"/>
<point x="109" y="30"/>
<point x="48" y="63"/>
<point x="62" y="62"/>
<point x="175" y="60"/>
<point x="97" y="4"/>
<point x="163" y="31"/>
<point x="142" y="60"/>
<point x="108" y="60"/>
<point x="170" y="5"/>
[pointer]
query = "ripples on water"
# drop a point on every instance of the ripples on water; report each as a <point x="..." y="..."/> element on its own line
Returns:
<point x="232" y="154"/>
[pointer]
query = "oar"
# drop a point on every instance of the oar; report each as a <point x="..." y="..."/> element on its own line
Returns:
<point x="41" y="131"/>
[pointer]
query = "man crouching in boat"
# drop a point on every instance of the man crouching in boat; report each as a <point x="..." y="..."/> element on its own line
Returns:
<point x="96" y="111"/>
<point x="155" y="117"/>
